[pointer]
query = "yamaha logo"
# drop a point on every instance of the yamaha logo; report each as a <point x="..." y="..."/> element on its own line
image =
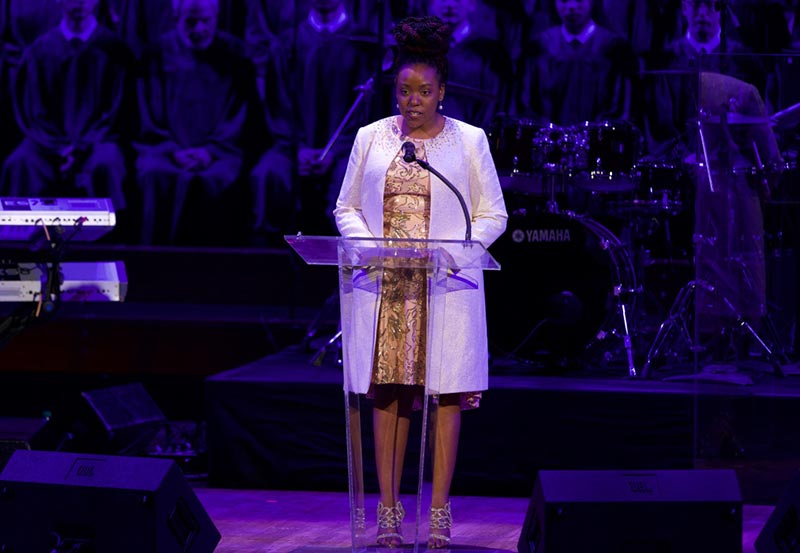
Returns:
<point x="540" y="235"/>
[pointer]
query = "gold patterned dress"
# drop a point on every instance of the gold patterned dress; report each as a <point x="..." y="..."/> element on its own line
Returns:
<point x="402" y="317"/>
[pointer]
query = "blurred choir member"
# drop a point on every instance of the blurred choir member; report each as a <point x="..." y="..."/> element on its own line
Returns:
<point x="196" y="94"/>
<point x="265" y="20"/>
<point x="480" y="68"/>
<point x="21" y="22"/>
<point x="762" y="25"/>
<point x="649" y="26"/>
<point x="672" y="97"/>
<point x="312" y="75"/>
<point x="73" y="104"/>
<point x="142" y="22"/>
<point x="579" y="70"/>
<point x="508" y="21"/>
<point x="791" y="14"/>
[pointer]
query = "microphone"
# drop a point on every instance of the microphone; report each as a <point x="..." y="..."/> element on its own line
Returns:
<point x="409" y="155"/>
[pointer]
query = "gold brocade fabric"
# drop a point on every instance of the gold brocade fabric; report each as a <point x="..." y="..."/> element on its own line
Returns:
<point x="402" y="317"/>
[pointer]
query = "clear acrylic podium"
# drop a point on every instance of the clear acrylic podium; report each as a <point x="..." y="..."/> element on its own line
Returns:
<point x="450" y="266"/>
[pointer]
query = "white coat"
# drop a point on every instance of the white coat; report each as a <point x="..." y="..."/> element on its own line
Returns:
<point x="460" y="152"/>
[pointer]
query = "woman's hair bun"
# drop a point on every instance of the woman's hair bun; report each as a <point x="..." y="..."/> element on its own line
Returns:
<point x="426" y="36"/>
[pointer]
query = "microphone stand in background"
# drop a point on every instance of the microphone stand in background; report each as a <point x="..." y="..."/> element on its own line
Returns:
<point x="332" y="302"/>
<point x="363" y="90"/>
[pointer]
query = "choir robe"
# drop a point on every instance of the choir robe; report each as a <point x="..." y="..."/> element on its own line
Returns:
<point x="21" y="22"/>
<point x="143" y="22"/>
<point x="567" y="85"/>
<point x="191" y="99"/>
<point x="484" y="66"/>
<point x="264" y="22"/>
<point x="72" y="94"/>
<point x="509" y="22"/>
<point x="311" y="80"/>
<point x="671" y="97"/>
<point x="649" y="25"/>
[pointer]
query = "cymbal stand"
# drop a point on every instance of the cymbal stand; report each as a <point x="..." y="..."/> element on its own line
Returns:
<point x="364" y="91"/>
<point x="678" y="319"/>
<point x="550" y="183"/>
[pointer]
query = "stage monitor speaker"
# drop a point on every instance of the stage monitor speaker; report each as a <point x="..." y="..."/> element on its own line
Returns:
<point x="19" y="433"/>
<point x="60" y="502"/>
<point x="664" y="511"/>
<point x="117" y="420"/>
<point x="781" y="533"/>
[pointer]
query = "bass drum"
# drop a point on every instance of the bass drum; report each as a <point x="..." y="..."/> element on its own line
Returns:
<point x="562" y="281"/>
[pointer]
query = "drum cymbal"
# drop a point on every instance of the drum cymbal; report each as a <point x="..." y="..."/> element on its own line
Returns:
<point x="735" y="119"/>
<point x="669" y="72"/>
<point x="787" y="118"/>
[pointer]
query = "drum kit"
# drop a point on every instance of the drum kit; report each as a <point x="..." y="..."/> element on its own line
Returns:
<point x="587" y="212"/>
<point x="599" y="257"/>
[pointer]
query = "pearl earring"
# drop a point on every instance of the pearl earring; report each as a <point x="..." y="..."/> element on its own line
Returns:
<point x="440" y="106"/>
<point x="397" y="106"/>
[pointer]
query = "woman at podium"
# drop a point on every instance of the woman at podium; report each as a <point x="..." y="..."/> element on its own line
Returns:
<point x="386" y="193"/>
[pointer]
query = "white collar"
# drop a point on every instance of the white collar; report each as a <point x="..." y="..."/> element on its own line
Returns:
<point x="84" y="36"/>
<point x="581" y="37"/>
<point x="461" y="32"/>
<point x="709" y="46"/>
<point x="339" y="19"/>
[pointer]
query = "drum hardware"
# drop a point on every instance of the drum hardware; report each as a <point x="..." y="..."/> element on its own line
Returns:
<point x="678" y="318"/>
<point x="659" y="189"/>
<point x="606" y="163"/>
<point x="571" y="282"/>
<point x="534" y="158"/>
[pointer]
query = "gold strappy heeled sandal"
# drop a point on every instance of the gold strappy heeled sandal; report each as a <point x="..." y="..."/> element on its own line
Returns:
<point x="440" y="519"/>
<point x="389" y="521"/>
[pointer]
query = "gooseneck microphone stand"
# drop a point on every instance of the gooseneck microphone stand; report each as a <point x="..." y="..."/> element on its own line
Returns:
<point x="409" y="157"/>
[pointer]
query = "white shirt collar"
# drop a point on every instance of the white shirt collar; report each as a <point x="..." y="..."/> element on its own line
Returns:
<point x="707" y="46"/>
<point x="339" y="19"/>
<point x="84" y="36"/>
<point x="583" y="36"/>
<point x="461" y="32"/>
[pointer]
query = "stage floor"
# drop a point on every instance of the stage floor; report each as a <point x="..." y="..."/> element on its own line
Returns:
<point x="256" y="521"/>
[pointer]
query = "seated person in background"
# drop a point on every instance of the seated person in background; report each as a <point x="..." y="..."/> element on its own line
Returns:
<point x="480" y="68"/>
<point x="578" y="71"/>
<point x="508" y="21"/>
<point x="142" y="22"/>
<point x="649" y="26"/>
<point x="21" y="22"/>
<point x="672" y="97"/>
<point x="196" y="93"/>
<point x="765" y="26"/>
<point x="265" y="20"/>
<point x="73" y="104"/>
<point x="311" y="84"/>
